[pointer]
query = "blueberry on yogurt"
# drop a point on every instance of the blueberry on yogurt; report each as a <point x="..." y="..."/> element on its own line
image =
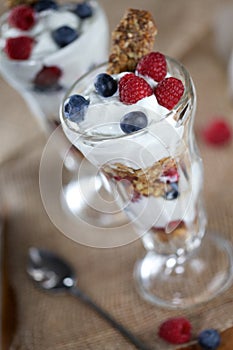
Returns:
<point x="64" y="35"/>
<point x="105" y="85"/>
<point x="44" y="5"/>
<point x="133" y="121"/>
<point x="83" y="10"/>
<point x="75" y="108"/>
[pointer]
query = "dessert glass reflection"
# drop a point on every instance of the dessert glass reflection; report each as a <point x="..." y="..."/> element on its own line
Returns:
<point x="44" y="48"/>
<point x="148" y="154"/>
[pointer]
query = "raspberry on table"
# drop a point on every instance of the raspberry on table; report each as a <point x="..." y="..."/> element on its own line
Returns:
<point x="47" y="78"/>
<point x="209" y="339"/>
<point x="153" y="65"/>
<point x="169" y="92"/>
<point x="133" y="89"/>
<point x="218" y="132"/>
<point x="22" y="17"/>
<point x="176" y="330"/>
<point x="19" y="48"/>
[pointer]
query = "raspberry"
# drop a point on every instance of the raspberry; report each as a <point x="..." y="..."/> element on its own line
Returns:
<point x="153" y="65"/>
<point x="47" y="78"/>
<point x="176" y="330"/>
<point x="170" y="175"/>
<point x="22" y="17"/>
<point x="169" y="91"/>
<point x="135" y="197"/>
<point x="218" y="132"/>
<point x="123" y="80"/>
<point x="133" y="89"/>
<point x="19" y="48"/>
<point x="172" y="225"/>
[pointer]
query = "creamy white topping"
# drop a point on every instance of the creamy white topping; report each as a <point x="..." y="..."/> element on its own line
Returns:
<point x="75" y="59"/>
<point x="162" y="138"/>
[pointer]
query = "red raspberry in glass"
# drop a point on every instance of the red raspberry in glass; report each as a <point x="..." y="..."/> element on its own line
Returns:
<point x="170" y="175"/>
<point x="153" y="65"/>
<point x="47" y="77"/>
<point x="19" y="48"/>
<point x="133" y="89"/>
<point x="169" y="92"/>
<point x="22" y="17"/>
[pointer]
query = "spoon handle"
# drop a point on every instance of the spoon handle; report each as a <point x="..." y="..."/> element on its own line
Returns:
<point x="115" y="324"/>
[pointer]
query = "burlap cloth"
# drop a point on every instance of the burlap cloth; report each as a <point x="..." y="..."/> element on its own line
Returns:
<point x="48" y="322"/>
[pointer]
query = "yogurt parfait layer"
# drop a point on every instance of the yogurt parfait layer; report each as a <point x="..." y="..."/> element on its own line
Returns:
<point x="46" y="46"/>
<point x="129" y="118"/>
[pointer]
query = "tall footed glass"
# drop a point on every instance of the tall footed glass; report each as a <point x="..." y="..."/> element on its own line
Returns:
<point x="44" y="77"/>
<point x="158" y="174"/>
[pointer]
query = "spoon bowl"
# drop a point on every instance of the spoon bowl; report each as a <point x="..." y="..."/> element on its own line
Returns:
<point x="51" y="273"/>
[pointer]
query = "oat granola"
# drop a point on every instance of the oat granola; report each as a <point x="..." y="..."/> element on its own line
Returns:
<point x="132" y="39"/>
<point x="146" y="182"/>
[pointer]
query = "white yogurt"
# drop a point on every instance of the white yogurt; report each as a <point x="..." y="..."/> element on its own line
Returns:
<point x="164" y="137"/>
<point x="75" y="59"/>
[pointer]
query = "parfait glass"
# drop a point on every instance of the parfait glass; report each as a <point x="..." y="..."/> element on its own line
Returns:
<point x="158" y="175"/>
<point x="71" y="62"/>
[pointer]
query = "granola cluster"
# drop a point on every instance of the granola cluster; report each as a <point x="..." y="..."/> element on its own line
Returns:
<point x="146" y="182"/>
<point x="132" y="39"/>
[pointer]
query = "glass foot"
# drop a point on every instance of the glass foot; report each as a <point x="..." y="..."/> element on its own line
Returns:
<point x="179" y="282"/>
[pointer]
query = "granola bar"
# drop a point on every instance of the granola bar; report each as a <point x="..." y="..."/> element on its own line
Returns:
<point x="132" y="39"/>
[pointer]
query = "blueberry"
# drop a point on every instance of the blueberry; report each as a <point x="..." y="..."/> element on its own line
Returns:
<point x="209" y="339"/>
<point x="75" y="107"/>
<point x="43" y="5"/>
<point x="83" y="10"/>
<point x="105" y="85"/>
<point x="173" y="193"/>
<point x="64" y="35"/>
<point x="133" y="121"/>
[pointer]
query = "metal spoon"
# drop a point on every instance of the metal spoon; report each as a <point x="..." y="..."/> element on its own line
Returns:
<point x="52" y="273"/>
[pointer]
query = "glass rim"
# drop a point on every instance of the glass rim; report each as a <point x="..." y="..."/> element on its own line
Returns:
<point x="180" y="106"/>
